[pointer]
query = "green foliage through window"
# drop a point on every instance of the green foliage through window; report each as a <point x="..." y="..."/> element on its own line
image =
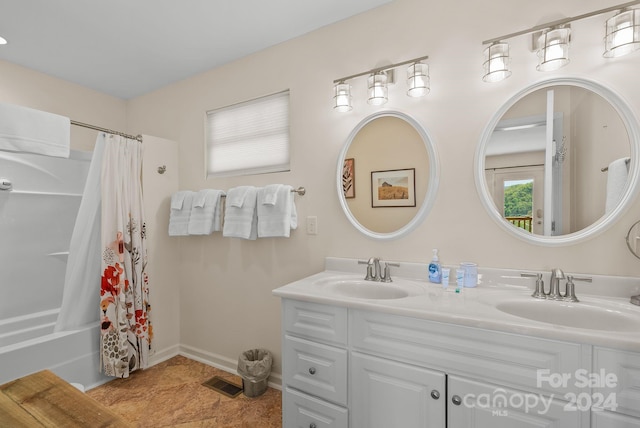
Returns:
<point x="518" y="200"/>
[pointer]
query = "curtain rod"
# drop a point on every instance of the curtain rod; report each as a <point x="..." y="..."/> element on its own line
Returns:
<point x="97" y="128"/>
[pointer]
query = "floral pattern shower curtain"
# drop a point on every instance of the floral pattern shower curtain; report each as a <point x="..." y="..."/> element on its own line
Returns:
<point x="124" y="307"/>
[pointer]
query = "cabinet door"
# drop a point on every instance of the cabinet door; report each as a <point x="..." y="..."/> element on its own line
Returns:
<point x="482" y="405"/>
<point x="385" y="393"/>
<point x="604" y="419"/>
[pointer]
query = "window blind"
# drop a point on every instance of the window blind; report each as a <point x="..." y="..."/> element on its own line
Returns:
<point x="249" y="138"/>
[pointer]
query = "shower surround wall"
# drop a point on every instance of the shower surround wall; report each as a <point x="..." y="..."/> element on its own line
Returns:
<point x="36" y="220"/>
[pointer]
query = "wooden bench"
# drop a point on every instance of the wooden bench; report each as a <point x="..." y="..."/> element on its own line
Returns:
<point x="43" y="399"/>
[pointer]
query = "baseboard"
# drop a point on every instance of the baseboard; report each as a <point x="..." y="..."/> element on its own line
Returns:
<point x="164" y="355"/>
<point x="223" y="363"/>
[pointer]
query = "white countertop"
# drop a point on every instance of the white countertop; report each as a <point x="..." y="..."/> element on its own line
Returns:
<point x="476" y="307"/>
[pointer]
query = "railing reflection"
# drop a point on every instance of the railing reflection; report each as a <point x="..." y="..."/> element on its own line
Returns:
<point x="523" y="222"/>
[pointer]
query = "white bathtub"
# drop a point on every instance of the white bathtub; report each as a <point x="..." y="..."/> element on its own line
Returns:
<point x="72" y="355"/>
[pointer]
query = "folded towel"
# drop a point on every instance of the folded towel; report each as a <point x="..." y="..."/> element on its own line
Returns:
<point x="276" y="220"/>
<point x="236" y="197"/>
<point x="179" y="217"/>
<point x="270" y="194"/>
<point x="205" y="212"/>
<point x="177" y="199"/>
<point x="23" y="129"/>
<point x="616" y="181"/>
<point x="240" y="220"/>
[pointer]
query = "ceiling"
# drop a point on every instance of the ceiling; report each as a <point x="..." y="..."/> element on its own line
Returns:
<point x="127" y="48"/>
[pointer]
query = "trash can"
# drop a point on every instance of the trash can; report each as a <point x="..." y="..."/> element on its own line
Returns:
<point x="254" y="367"/>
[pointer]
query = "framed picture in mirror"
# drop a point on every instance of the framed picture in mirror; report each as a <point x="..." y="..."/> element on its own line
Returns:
<point x="393" y="188"/>
<point x="349" y="178"/>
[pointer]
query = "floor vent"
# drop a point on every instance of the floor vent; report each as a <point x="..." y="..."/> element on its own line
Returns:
<point x="224" y="387"/>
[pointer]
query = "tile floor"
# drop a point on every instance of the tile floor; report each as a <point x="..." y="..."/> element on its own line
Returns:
<point x="171" y="394"/>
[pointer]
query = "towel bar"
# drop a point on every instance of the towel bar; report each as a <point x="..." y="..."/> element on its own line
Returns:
<point x="300" y="191"/>
<point x="606" y="168"/>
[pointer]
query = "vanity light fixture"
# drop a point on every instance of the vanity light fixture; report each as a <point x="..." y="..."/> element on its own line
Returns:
<point x="551" y="41"/>
<point x="377" y="81"/>
<point x="552" y="48"/>
<point x="622" y="33"/>
<point x="418" y="79"/>
<point x="342" y="97"/>
<point x="3" y="41"/>
<point x="377" y="87"/>
<point x="496" y="62"/>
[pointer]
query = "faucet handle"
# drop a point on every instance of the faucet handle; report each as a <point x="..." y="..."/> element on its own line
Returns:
<point x="539" y="291"/>
<point x="570" y="294"/>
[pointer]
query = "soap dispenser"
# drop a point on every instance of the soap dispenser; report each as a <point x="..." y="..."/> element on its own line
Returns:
<point x="435" y="270"/>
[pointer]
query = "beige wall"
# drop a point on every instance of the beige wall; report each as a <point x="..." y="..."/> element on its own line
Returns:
<point x="225" y="304"/>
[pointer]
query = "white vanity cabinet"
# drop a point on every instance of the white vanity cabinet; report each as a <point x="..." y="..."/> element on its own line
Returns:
<point x="351" y="367"/>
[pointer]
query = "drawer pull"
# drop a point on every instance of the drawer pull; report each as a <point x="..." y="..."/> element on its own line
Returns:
<point x="312" y="370"/>
<point x="312" y="425"/>
<point x="435" y="394"/>
<point x="456" y="400"/>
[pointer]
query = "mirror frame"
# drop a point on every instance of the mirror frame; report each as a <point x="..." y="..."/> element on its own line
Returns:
<point x="432" y="187"/>
<point x="631" y="189"/>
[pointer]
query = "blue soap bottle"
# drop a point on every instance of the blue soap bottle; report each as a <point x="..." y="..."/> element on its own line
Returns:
<point x="435" y="270"/>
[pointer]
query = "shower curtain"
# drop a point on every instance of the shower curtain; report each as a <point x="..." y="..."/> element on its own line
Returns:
<point x="82" y="277"/>
<point x="124" y="291"/>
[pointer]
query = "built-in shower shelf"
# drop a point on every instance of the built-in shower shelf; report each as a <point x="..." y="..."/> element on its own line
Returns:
<point x="29" y="192"/>
<point x="59" y="254"/>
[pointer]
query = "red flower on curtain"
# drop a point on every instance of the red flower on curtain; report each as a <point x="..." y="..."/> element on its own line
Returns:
<point x="111" y="280"/>
<point x="141" y="321"/>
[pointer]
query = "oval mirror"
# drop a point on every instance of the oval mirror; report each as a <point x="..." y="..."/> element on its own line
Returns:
<point x="558" y="163"/>
<point x="387" y="175"/>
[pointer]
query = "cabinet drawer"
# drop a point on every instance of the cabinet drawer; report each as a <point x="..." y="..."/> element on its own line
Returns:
<point x="316" y="369"/>
<point x="626" y="368"/>
<point x="506" y="358"/>
<point x="303" y="411"/>
<point x="314" y="321"/>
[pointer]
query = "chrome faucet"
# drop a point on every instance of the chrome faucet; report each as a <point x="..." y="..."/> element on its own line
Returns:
<point x="554" y="291"/>
<point x="373" y="269"/>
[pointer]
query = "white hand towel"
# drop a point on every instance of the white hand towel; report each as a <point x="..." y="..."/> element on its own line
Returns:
<point x="270" y="194"/>
<point x="205" y="212"/>
<point x="177" y="199"/>
<point x="23" y="129"/>
<point x="241" y="221"/>
<point x="237" y="195"/>
<point x="278" y="219"/>
<point x="179" y="218"/>
<point x="616" y="181"/>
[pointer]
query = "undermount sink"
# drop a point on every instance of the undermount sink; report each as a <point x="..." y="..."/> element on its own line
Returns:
<point x="578" y="315"/>
<point x="361" y="289"/>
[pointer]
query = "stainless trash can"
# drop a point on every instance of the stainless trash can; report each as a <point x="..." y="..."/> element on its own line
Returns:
<point x="254" y="367"/>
